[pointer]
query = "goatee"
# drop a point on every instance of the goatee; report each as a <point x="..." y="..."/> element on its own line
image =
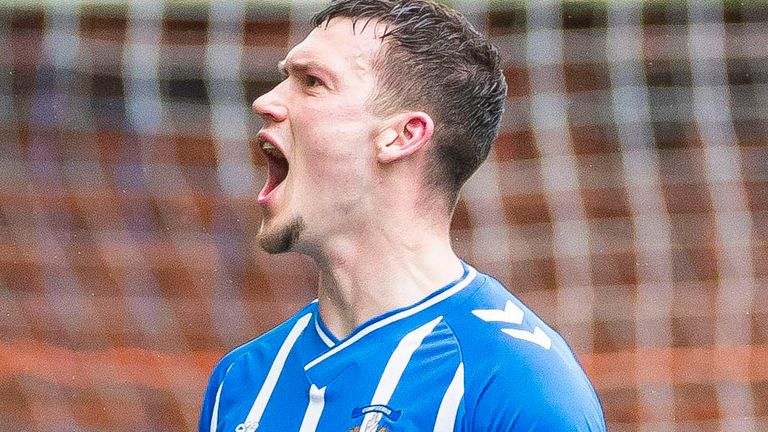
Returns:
<point x="282" y="239"/>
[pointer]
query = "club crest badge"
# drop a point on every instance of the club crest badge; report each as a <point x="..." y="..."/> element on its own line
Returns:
<point x="375" y="413"/>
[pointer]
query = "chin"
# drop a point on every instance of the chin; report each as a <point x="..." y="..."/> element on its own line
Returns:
<point x="279" y="239"/>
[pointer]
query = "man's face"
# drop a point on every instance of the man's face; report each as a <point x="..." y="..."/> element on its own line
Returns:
<point x="318" y="136"/>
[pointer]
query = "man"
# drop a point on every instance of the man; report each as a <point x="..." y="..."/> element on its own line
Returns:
<point x="386" y="109"/>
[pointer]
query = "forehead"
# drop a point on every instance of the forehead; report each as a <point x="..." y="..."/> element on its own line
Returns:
<point x="339" y="45"/>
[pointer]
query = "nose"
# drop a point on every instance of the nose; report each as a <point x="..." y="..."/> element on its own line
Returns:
<point x="269" y="107"/>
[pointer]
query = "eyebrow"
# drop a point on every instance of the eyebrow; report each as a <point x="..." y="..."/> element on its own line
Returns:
<point x="287" y="67"/>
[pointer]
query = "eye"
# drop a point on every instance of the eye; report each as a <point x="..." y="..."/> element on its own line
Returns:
<point x="313" y="81"/>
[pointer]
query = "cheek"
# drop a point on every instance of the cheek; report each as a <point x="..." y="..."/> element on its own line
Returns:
<point x="338" y="172"/>
<point x="337" y="143"/>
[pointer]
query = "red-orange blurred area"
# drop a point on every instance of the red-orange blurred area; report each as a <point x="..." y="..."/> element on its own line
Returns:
<point x="626" y="201"/>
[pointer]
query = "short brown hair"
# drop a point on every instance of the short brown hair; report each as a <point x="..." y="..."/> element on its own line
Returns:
<point x="434" y="60"/>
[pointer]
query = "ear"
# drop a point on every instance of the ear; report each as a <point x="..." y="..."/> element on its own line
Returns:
<point x="407" y="133"/>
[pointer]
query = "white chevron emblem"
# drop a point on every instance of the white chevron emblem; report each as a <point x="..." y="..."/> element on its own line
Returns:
<point x="512" y="314"/>
<point x="538" y="336"/>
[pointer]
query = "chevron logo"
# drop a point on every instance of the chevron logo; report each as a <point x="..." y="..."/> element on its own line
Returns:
<point x="512" y="314"/>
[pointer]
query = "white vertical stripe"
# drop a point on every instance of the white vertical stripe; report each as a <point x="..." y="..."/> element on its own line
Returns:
<point x="141" y="63"/>
<point x="733" y="222"/>
<point x="257" y="410"/>
<point x="446" y="414"/>
<point x="229" y="128"/>
<point x="394" y="369"/>
<point x="560" y="172"/>
<point x="215" y="415"/>
<point x="483" y="194"/>
<point x="652" y="232"/>
<point x="230" y="117"/>
<point x="314" y="409"/>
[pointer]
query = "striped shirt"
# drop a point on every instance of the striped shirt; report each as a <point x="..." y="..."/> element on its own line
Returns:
<point x="469" y="357"/>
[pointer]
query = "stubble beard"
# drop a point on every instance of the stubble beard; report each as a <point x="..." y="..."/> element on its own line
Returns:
<point x="281" y="239"/>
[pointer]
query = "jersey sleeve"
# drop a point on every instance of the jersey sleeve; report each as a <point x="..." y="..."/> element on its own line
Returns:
<point x="549" y="397"/>
<point x="521" y="375"/>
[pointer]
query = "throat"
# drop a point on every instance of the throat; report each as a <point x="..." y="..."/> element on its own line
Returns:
<point x="343" y="311"/>
<point x="348" y="300"/>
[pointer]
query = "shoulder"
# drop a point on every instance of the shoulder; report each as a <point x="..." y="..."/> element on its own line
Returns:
<point x="518" y="370"/>
<point x="265" y="346"/>
<point x="495" y="319"/>
<point x="495" y="330"/>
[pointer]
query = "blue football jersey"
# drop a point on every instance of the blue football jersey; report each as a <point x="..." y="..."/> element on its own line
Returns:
<point x="469" y="357"/>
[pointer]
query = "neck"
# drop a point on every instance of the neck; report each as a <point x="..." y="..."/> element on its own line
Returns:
<point x="370" y="273"/>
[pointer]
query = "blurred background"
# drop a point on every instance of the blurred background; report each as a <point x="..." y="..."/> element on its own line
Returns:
<point x="626" y="202"/>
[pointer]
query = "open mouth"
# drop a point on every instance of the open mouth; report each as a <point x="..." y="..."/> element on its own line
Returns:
<point x="277" y="167"/>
